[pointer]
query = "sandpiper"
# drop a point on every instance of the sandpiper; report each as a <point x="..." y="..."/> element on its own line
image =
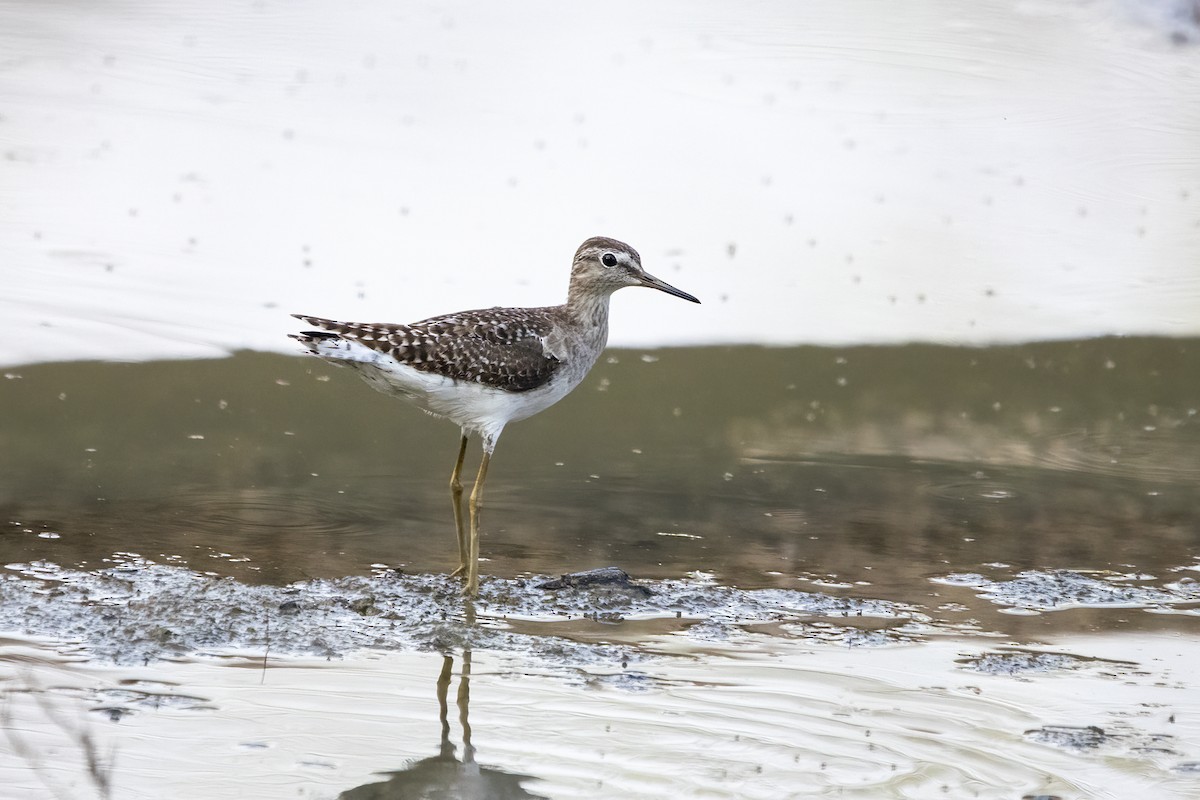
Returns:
<point x="486" y="368"/>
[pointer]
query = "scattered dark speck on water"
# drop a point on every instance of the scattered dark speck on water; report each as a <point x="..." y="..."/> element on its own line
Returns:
<point x="1021" y="663"/>
<point x="626" y="680"/>
<point x="1069" y="736"/>
<point x="113" y="713"/>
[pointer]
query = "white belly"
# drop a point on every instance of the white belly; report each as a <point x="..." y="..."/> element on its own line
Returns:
<point x="475" y="407"/>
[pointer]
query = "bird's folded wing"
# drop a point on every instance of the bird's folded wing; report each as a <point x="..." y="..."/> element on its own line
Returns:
<point x="502" y="348"/>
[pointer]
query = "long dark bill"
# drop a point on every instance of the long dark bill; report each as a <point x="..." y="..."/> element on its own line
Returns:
<point x="663" y="286"/>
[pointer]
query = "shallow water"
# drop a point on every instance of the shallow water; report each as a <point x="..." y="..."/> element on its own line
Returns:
<point x="751" y="718"/>
<point x="871" y="468"/>
<point x="856" y="556"/>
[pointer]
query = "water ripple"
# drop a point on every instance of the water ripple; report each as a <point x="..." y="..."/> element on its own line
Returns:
<point x="255" y="512"/>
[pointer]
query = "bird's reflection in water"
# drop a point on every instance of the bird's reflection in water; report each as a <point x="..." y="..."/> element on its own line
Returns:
<point x="443" y="776"/>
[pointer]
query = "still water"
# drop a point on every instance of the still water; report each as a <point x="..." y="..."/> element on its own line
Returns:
<point x="857" y="554"/>
<point x="879" y="464"/>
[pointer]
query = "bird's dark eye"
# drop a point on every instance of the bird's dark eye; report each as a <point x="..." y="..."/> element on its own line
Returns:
<point x="608" y="260"/>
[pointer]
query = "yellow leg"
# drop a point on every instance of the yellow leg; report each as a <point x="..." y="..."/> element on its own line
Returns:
<point x="472" y="585"/>
<point x="456" y="494"/>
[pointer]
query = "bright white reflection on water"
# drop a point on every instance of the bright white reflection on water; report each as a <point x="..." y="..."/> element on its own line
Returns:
<point x="174" y="178"/>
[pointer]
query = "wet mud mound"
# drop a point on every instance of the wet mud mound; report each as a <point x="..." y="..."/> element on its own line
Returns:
<point x="138" y="611"/>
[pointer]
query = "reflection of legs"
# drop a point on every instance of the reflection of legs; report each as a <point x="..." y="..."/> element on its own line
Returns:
<point x="464" y="700"/>
<point x="456" y="495"/>
<point x="443" y="686"/>
<point x="472" y="586"/>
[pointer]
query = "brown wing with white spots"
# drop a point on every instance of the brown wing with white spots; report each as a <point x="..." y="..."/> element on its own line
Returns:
<point x="498" y="347"/>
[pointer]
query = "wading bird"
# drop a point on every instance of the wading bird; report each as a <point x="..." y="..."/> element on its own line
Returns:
<point x="486" y="368"/>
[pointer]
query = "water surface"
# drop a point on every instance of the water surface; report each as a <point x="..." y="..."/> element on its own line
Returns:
<point x="869" y="468"/>
<point x="875" y="571"/>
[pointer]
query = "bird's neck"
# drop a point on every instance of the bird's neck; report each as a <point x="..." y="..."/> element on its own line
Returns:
<point x="588" y="312"/>
<point x="587" y="307"/>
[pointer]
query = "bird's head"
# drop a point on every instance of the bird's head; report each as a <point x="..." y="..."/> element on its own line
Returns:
<point x="603" y="265"/>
